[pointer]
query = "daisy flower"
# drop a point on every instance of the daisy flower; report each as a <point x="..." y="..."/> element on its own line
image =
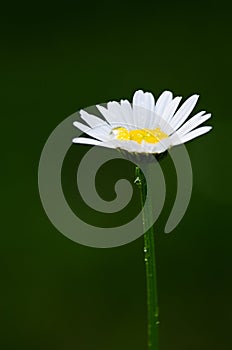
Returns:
<point x="143" y="126"/>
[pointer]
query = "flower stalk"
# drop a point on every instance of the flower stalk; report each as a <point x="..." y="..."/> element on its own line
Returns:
<point x="150" y="265"/>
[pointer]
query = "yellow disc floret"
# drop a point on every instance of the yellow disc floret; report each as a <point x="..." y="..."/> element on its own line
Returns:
<point x="139" y="135"/>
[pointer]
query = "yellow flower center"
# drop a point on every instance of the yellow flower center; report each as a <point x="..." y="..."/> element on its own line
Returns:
<point x="139" y="135"/>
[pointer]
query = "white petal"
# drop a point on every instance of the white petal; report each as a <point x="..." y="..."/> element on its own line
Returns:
<point x="131" y="146"/>
<point x="137" y="98"/>
<point x="143" y="118"/>
<point x="106" y="114"/>
<point x="168" y="114"/>
<point x="85" y="140"/>
<point x="147" y="147"/>
<point x="81" y="126"/>
<point x="143" y="107"/>
<point x="144" y="99"/>
<point x="101" y="133"/>
<point x="161" y="146"/>
<point x="170" y="130"/>
<point x="92" y="120"/>
<point x="191" y="135"/>
<point x="128" y="145"/>
<point x="184" y="111"/>
<point x="127" y="113"/>
<point x="193" y="123"/>
<point x="162" y="102"/>
<point x="114" y="114"/>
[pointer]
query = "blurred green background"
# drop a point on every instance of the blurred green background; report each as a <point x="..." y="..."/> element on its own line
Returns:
<point x="58" y="58"/>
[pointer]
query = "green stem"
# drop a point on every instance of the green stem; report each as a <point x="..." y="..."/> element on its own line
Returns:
<point x="149" y="257"/>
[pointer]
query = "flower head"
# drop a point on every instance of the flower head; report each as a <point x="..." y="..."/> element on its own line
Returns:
<point x="143" y="126"/>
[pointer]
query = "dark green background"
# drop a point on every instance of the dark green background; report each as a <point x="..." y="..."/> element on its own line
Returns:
<point x="58" y="58"/>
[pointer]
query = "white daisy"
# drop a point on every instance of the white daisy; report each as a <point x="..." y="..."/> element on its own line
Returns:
<point x="143" y="126"/>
